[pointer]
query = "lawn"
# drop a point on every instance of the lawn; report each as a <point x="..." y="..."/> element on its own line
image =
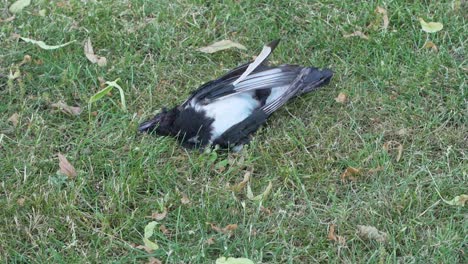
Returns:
<point x="403" y="127"/>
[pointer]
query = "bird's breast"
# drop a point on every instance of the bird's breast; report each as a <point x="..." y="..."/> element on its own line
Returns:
<point x="229" y="111"/>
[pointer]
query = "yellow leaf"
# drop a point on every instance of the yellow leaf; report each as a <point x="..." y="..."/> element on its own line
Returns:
<point x="356" y="34"/>
<point x="261" y="196"/>
<point x="371" y="233"/>
<point x="430" y="27"/>
<point x="17" y="6"/>
<point x="43" y="45"/>
<point x="224" y="260"/>
<point x="341" y="98"/>
<point x="431" y="45"/>
<point x="458" y="200"/>
<point x="221" y="45"/>
<point x="149" y="246"/>
<point x="349" y="173"/>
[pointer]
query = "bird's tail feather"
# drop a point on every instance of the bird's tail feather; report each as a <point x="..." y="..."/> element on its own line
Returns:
<point x="314" y="80"/>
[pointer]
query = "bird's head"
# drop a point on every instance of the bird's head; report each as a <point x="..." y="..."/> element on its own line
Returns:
<point x="162" y="123"/>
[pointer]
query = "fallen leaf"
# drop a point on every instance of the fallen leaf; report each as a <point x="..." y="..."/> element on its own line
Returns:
<point x="224" y="260"/>
<point x="66" y="168"/>
<point x="153" y="260"/>
<point x="71" y="110"/>
<point x="458" y="200"/>
<point x="431" y="45"/>
<point x="42" y="44"/>
<point x="15" y="74"/>
<point x="17" y="6"/>
<point x="430" y="27"/>
<point x="383" y="11"/>
<point x="89" y="53"/>
<point x="400" y="152"/>
<point x="238" y="187"/>
<point x="374" y="170"/>
<point x="159" y="216"/>
<point x="102" y="82"/>
<point x="230" y="227"/>
<point x="164" y="230"/>
<point x="106" y="91"/>
<point x="265" y="210"/>
<point x="184" y="199"/>
<point x="14" y="119"/>
<point x="261" y="196"/>
<point x="9" y="19"/>
<point x="20" y="201"/>
<point x="350" y="173"/>
<point x="356" y="34"/>
<point x="228" y="230"/>
<point x="26" y="59"/>
<point x="390" y="145"/>
<point x="333" y="237"/>
<point x="371" y="233"/>
<point x="149" y="246"/>
<point x="42" y="12"/>
<point x="221" y="45"/>
<point x="210" y="241"/>
<point x="341" y="98"/>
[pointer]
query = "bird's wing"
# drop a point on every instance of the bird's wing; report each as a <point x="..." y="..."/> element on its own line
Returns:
<point x="243" y="78"/>
<point x="308" y="79"/>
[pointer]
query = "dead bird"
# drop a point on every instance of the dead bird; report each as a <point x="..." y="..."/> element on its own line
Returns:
<point x="228" y="110"/>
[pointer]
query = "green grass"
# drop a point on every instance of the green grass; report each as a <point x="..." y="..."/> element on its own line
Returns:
<point x="123" y="177"/>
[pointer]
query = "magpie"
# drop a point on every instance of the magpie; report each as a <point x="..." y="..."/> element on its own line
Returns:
<point x="228" y="110"/>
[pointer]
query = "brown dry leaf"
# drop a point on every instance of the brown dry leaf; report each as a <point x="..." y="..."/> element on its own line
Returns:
<point x="400" y="152"/>
<point x="349" y="173"/>
<point x="238" y="187"/>
<point x="210" y="241"/>
<point x="102" y="82"/>
<point x="356" y="34"/>
<point x="145" y="248"/>
<point x="89" y="52"/>
<point x="20" y="201"/>
<point x="265" y="210"/>
<point x="229" y="229"/>
<point x="153" y="260"/>
<point x="9" y="19"/>
<point x="383" y="11"/>
<point x="333" y="237"/>
<point x="66" y="168"/>
<point x="341" y="98"/>
<point x="159" y="216"/>
<point x="392" y="144"/>
<point x="71" y="110"/>
<point x="431" y="45"/>
<point x="221" y="45"/>
<point x="164" y="230"/>
<point x="14" y="119"/>
<point x="372" y="233"/>
<point x="184" y="199"/>
<point x="374" y="170"/>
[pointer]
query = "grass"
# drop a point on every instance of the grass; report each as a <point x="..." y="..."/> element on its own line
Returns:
<point x="396" y="89"/>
